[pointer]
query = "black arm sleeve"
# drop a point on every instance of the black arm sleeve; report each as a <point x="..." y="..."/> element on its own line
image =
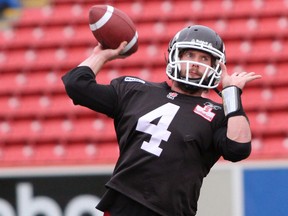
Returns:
<point x="229" y="149"/>
<point x="81" y="87"/>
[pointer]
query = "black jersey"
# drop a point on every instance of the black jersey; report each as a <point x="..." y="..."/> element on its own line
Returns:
<point x="168" y="141"/>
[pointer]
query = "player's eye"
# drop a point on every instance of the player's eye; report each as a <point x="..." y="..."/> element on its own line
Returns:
<point x="188" y="54"/>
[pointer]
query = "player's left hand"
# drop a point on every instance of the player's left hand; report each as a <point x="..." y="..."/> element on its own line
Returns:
<point x="238" y="79"/>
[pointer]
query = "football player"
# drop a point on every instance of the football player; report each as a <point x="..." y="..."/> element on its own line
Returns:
<point x="169" y="135"/>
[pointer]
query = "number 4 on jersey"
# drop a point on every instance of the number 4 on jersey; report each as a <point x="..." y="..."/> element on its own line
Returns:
<point x="158" y="132"/>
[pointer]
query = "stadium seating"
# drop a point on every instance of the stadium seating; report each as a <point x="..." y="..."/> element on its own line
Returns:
<point x="40" y="125"/>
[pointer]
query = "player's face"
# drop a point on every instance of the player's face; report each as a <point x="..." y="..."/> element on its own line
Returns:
<point x="195" y="70"/>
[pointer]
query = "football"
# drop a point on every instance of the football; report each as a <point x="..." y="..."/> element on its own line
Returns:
<point x="111" y="26"/>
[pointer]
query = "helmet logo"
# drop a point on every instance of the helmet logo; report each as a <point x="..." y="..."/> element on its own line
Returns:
<point x="205" y="43"/>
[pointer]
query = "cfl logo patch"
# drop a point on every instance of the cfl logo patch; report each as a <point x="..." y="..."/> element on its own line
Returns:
<point x="205" y="112"/>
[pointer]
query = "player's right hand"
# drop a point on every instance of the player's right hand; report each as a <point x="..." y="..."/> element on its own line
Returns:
<point x="110" y="54"/>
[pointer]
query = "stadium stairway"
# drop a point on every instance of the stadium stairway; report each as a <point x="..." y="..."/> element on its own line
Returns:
<point x="39" y="125"/>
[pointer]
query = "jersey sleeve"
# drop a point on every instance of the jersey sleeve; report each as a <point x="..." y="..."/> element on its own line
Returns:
<point x="229" y="149"/>
<point x="82" y="88"/>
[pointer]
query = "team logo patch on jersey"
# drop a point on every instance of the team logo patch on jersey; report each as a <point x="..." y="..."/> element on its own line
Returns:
<point x="133" y="79"/>
<point x="205" y="112"/>
<point x="172" y="95"/>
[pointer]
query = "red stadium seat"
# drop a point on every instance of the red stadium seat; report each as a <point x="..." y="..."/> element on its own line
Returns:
<point x="30" y="106"/>
<point x="272" y="123"/>
<point x="100" y="153"/>
<point x="98" y="129"/>
<point x="82" y="35"/>
<point x="12" y="83"/>
<point x="62" y="105"/>
<point x="251" y="27"/>
<point x="262" y="98"/>
<point x="270" y="147"/>
<point x="273" y="27"/>
<point x="50" y="15"/>
<point x="39" y="122"/>
<point x="188" y="10"/>
<point x="52" y="37"/>
<point x="43" y="81"/>
<point x="11" y="38"/>
<point x="246" y="28"/>
<point x="34" y="16"/>
<point x="56" y="130"/>
<point x="19" y="131"/>
<point x="17" y="154"/>
<point x="258" y="50"/>
<point x="273" y="74"/>
<point x="31" y="82"/>
<point x="16" y="60"/>
<point x="9" y="106"/>
<point x="74" y="55"/>
<point x="49" y="152"/>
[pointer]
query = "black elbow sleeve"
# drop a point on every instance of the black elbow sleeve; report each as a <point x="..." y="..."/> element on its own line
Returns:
<point x="235" y="151"/>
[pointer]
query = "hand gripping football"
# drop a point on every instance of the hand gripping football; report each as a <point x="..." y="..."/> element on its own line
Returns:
<point x="111" y="26"/>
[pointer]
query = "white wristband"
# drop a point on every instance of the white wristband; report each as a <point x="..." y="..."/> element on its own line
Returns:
<point x="232" y="101"/>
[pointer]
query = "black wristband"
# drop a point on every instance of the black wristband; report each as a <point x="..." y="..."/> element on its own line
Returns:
<point x="239" y="112"/>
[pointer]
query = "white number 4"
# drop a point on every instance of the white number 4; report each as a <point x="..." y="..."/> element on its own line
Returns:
<point x="158" y="132"/>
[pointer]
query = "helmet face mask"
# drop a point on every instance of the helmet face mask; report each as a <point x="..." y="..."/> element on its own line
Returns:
<point x="199" y="38"/>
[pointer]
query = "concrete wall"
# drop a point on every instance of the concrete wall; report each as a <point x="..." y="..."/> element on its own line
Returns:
<point x="246" y="189"/>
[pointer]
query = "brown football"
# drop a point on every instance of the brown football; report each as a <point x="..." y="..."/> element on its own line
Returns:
<point x="111" y="26"/>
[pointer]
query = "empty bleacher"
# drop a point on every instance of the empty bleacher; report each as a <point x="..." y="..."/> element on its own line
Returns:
<point x="40" y="125"/>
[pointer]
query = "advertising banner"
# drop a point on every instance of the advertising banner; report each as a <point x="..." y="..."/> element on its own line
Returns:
<point x="52" y="193"/>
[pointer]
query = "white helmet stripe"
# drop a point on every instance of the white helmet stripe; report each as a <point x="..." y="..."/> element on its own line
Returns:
<point x="103" y="20"/>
